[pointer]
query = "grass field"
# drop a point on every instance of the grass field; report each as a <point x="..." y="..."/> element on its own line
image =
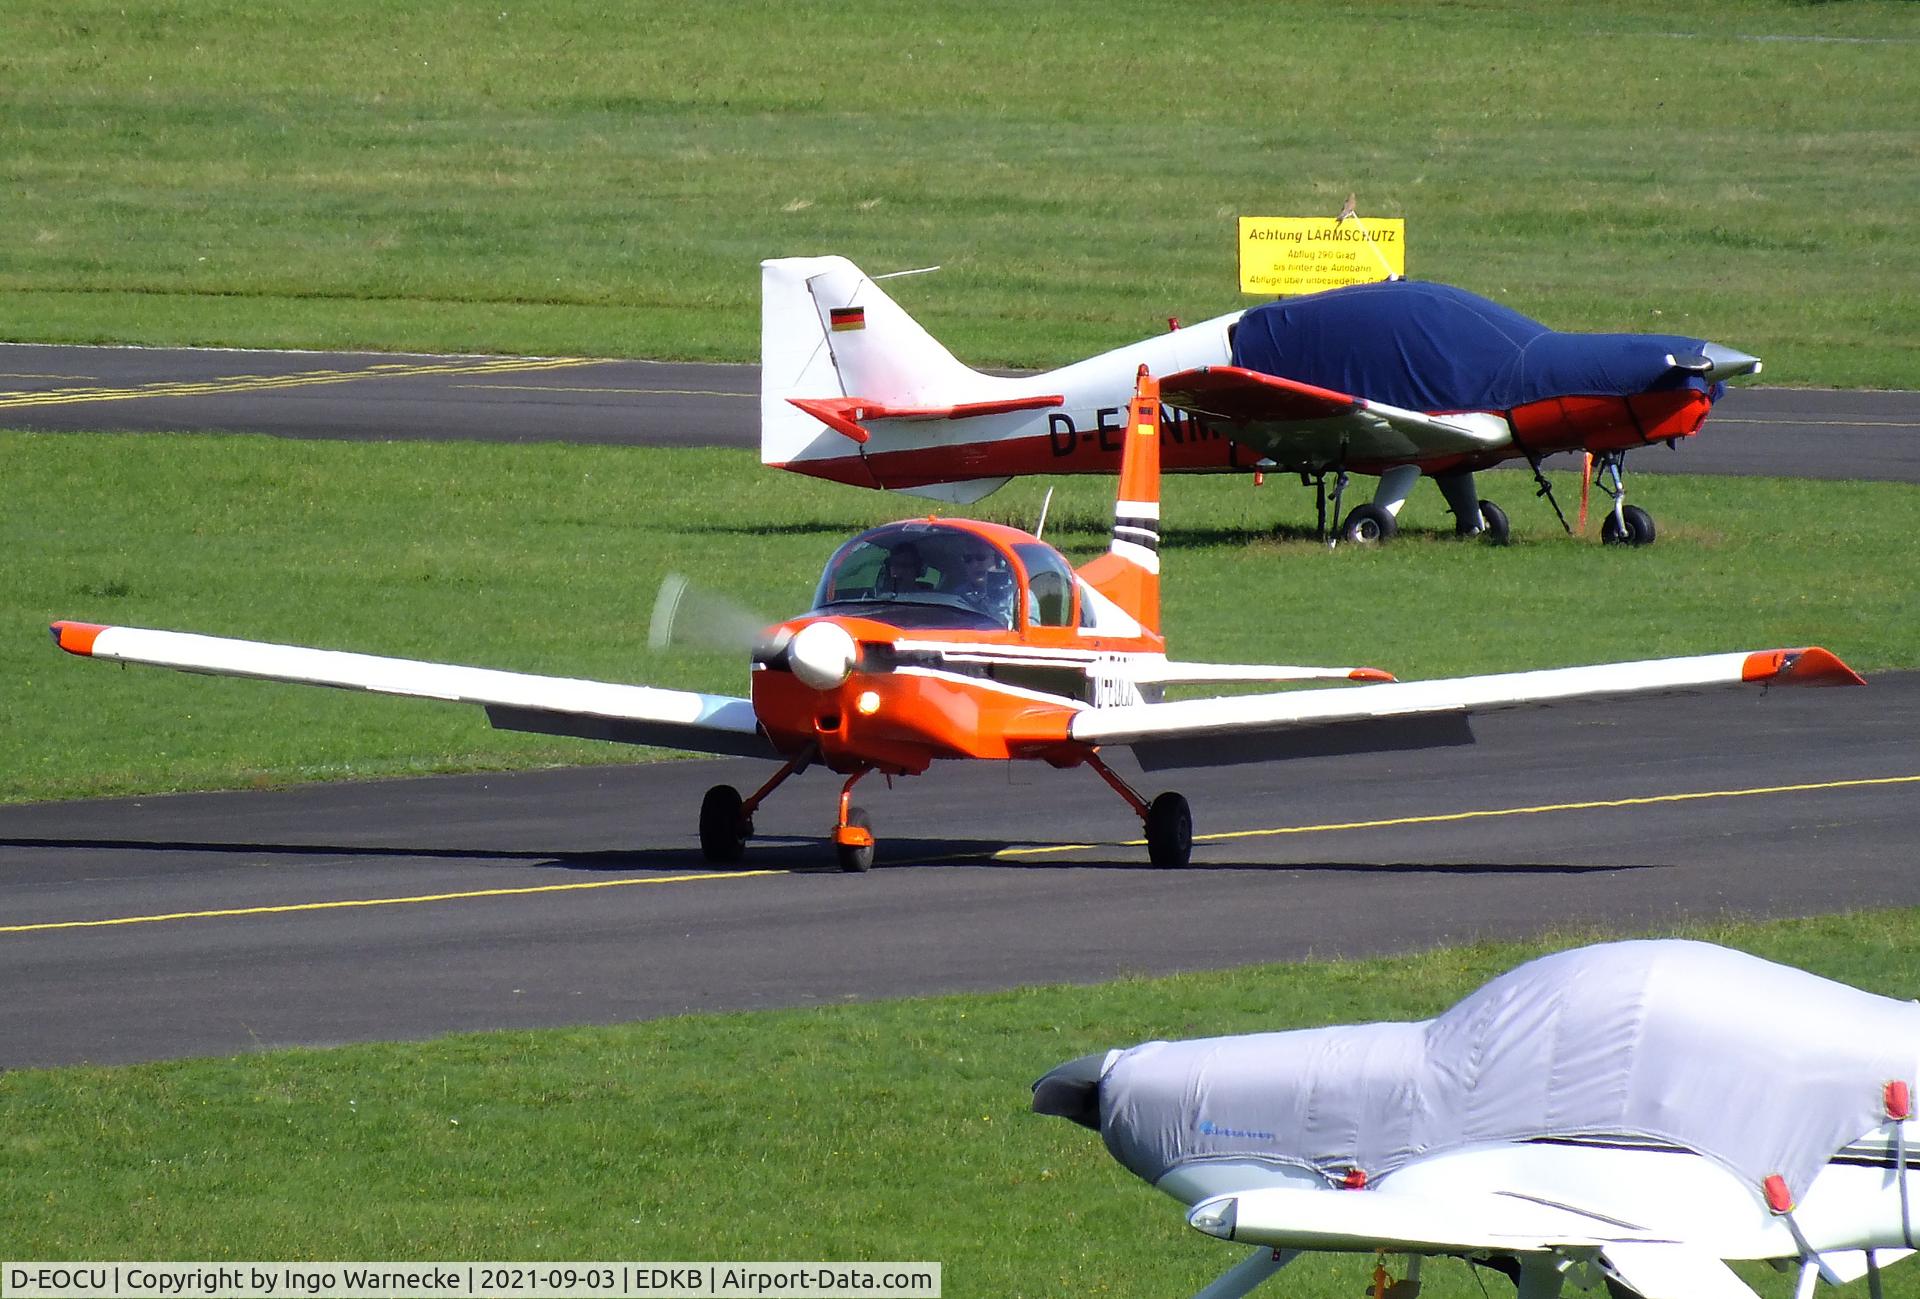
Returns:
<point x="547" y="559"/>
<point x="898" y="1130"/>
<point x="579" y="178"/>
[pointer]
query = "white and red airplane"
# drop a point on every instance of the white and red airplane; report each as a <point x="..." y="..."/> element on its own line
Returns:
<point x="1396" y="379"/>
<point x="1628" y="1116"/>
<point x="936" y="639"/>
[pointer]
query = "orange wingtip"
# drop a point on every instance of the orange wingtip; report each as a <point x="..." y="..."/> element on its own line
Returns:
<point x="1371" y="674"/>
<point x="1811" y="666"/>
<point x="76" y="637"/>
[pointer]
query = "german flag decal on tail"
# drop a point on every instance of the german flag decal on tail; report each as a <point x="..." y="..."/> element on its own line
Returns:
<point x="845" y="318"/>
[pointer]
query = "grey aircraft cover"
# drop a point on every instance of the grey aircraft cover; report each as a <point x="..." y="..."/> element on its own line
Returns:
<point x="1762" y="1067"/>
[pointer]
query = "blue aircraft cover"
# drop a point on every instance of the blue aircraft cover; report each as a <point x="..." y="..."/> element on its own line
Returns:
<point x="1434" y="348"/>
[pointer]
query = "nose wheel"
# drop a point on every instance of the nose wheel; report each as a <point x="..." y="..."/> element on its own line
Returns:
<point x="1624" y="525"/>
<point x="852" y="837"/>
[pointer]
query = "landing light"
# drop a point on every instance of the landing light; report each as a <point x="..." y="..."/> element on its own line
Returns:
<point x="868" y="703"/>
<point x="1216" y="1217"/>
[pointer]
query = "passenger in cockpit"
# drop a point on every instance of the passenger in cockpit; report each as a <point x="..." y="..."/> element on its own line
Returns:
<point x="904" y="573"/>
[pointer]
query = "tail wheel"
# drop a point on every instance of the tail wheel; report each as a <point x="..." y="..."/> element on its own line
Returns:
<point x="1494" y="528"/>
<point x="1169" y="832"/>
<point x="1633" y="527"/>
<point x="855" y="849"/>
<point x="1369" y="524"/>
<point x="723" y="830"/>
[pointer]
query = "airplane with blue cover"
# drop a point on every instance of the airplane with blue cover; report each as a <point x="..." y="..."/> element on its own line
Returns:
<point x="1398" y="380"/>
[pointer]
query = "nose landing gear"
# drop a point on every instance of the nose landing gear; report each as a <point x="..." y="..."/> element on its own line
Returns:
<point x="726" y="819"/>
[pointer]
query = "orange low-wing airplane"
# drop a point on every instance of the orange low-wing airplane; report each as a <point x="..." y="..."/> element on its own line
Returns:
<point x="945" y="638"/>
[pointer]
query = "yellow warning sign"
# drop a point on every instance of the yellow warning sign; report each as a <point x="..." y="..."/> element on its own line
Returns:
<point x="1280" y="255"/>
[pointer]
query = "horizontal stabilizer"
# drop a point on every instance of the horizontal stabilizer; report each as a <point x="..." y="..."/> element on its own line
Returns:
<point x="848" y="415"/>
<point x="516" y="700"/>
<point x="1667" y="1270"/>
<point x="964" y="491"/>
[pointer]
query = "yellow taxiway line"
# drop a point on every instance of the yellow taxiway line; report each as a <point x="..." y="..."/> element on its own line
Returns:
<point x="384" y="902"/>
<point x="1442" y="818"/>
<point x="244" y="383"/>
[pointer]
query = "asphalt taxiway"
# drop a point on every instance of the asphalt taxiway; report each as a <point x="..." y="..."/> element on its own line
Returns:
<point x="199" y="924"/>
<point x="1782" y="432"/>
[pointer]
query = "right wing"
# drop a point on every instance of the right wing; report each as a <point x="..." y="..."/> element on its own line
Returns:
<point x="514" y="701"/>
<point x="1204" y="732"/>
<point x="1286" y="419"/>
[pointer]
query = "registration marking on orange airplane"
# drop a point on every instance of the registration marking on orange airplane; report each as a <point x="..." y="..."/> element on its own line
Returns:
<point x="936" y="639"/>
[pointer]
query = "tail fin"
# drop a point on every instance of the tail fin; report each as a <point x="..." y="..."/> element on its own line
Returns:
<point x="1129" y="573"/>
<point x="828" y="331"/>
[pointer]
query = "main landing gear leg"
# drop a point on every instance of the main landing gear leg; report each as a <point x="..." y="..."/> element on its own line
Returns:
<point x="1625" y="525"/>
<point x="726" y="821"/>
<point x="1378" y="520"/>
<point x="852" y="839"/>
<point x="1168" y="819"/>
<point x="1473" y="516"/>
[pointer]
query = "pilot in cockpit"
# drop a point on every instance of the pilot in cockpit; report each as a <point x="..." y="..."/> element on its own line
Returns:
<point x="982" y="582"/>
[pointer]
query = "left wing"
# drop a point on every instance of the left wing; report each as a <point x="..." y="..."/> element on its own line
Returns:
<point x="1283" y="416"/>
<point x="1159" y="732"/>
<point x="514" y="701"/>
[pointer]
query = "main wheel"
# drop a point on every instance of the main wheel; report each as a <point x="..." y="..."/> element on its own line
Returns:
<point x="1638" y="530"/>
<point x="855" y="856"/>
<point x="1169" y="832"/>
<point x="723" y="831"/>
<point x="1494" y="528"/>
<point x="1369" y="524"/>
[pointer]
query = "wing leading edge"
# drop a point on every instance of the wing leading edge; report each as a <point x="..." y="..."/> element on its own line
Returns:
<point x="518" y="701"/>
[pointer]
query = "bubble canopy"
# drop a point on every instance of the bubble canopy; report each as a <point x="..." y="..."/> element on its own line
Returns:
<point x="930" y="573"/>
